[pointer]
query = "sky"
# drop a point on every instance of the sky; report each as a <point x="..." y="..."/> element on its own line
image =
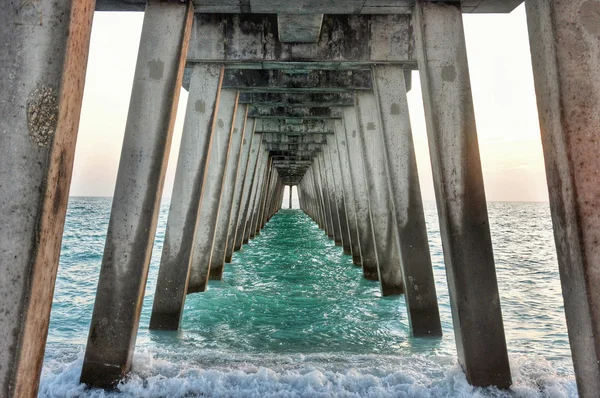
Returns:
<point x="503" y="95"/>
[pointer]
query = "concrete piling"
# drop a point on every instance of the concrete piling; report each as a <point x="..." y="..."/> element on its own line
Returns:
<point x="42" y="75"/>
<point x="133" y="218"/>
<point x="361" y="195"/>
<point x="417" y="270"/>
<point x="346" y="179"/>
<point x="329" y="185"/>
<point x="331" y="153"/>
<point x="217" y="257"/>
<point x="194" y="151"/>
<point x="380" y="198"/>
<point x="290" y="200"/>
<point x="212" y="190"/>
<point x="239" y="199"/>
<point x="566" y="74"/>
<point x="460" y="195"/>
<point x="253" y="161"/>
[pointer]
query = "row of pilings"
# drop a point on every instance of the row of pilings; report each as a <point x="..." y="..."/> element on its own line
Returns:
<point x="266" y="109"/>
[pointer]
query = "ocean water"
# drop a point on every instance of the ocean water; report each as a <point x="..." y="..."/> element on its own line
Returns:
<point x="293" y="317"/>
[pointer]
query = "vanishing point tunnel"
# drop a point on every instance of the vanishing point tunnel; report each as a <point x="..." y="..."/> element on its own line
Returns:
<point x="309" y="94"/>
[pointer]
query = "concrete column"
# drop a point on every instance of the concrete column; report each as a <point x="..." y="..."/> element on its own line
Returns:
<point x="264" y="198"/>
<point x="211" y="191"/>
<point x="460" y="194"/>
<point x="361" y="195"/>
<point x="322" y="181"/>
<point x="42" y="75"/>
<point x="194" y="152"/>
<point x="319" y="206"/>
<point x="258" y="179"/>
<point x="420" y="295"/>
<point x="314" y="199"/>
<point x="330" y="195"/>
<point x="566" y="74"/>
<point x="346" y="180"/>
<point x="217" y="257"/>
<point x="253" y="162"/>
<point x="380" y="198"/>
<point x="238" y="199"/>
<point x="258" y="198"/>
<point x="331" y="152"/>
<point x="132" y="226"/>
<point x="290" y="201"/>
<point x="249" y="185"/>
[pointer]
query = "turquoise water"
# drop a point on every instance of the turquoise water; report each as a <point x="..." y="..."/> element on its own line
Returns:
<point x="293" y="317"/>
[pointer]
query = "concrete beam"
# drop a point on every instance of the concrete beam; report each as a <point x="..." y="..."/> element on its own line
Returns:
<point x="295" y="153"/>
<point x="252" y="80"/>
<point x="313" y="6"/>
<point x="42" y="75"/>
<point x="319" y="113"/>
<point x="346" y="41"/>
<point x="211" y="191"/>
<point x="299" y="28"/>
<point x="303" y="100"/>
<point x="134" y="214"/>
<point x="316" y="138"/>
<point x="194" y="153"/>
<point x="567" y="84"/>
<point x="460" y="194"/>
<point x="306" y="127"/>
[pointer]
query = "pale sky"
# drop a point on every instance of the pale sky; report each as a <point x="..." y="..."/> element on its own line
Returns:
<point x="501" y="77"/>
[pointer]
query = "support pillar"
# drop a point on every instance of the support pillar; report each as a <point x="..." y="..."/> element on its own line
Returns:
<point x="420" y="294"/>
<point x="331" y="152"/>
<point x="346" y="180"/>
<point x="42" y="75"/>
<point x="567" y="83"/>
<point x="361" y="195"/>
<point x="217" y="257"/>
<point x="460" y="194"/>
<point x="253" y="163"/>
<point x="290" y="201"/>
<point x="329" y="186"/>
<point x="380" y="198"/>
<point x="257" y="184"/>
<point x="211" y="191"/>
<point x="322" y="181"/>
<point x="238" y="200"/>
<point x="134" y="214"/>
<point x="175" y="262"/>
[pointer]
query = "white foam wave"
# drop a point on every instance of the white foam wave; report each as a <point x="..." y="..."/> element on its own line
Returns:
<point x="302" y="376"/>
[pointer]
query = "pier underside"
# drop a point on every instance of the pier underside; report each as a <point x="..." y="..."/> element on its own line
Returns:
<point x="302" y="94"/>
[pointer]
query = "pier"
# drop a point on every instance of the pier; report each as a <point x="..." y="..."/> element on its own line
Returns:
<point x="305" y="95"/>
